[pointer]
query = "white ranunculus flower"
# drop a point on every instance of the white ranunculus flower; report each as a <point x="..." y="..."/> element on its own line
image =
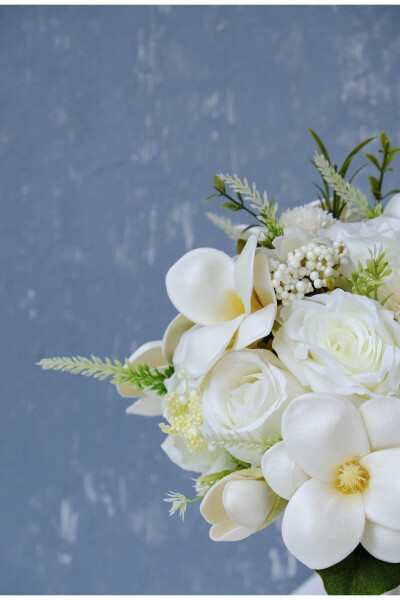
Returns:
<point x="338" y="467"/>
<point x="245" y="395"/>
<point x="392" y="209"/>
<point x="154" y="354"/>
<point x="237" y="506"/>
<point x="341" y="342"/>
<point x="230" y="301"/>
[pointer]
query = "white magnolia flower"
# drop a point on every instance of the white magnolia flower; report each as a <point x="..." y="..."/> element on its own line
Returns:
<point x="310" y="217"/>
<point x="154" y="354"/>
<point x="338" y="467"/>
<point x="230" y="301"/>
<point x="246" y="394"/>
<point x="236" y="507"/>
<point x="341" y="341"/>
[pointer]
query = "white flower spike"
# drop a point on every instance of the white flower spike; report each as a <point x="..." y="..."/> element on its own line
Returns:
<point x="340" y="476"/>
<point x="231" y="302"/>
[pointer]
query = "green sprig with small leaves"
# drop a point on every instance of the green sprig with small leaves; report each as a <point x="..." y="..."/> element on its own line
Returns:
<point x="388" y="154"/>
<point x="141" y="377"/>
<point x="367" y="280"/>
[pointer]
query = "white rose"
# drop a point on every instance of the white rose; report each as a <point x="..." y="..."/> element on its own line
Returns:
<point x="244" y="398"/>
<point x="210" y="460"/>
<point x="237" y="506"/>
<point x="392" y="208"/>
<point x="341" y="342"/>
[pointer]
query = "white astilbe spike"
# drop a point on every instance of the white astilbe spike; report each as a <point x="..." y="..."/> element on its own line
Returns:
<point x="242" y="440"/>
<point x="224" y="224"/>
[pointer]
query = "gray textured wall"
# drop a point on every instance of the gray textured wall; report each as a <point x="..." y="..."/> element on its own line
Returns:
<point x="112" y="122"/>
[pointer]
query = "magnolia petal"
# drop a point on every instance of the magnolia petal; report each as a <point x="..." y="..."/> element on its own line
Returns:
<point x="148" y="354"/>
<point x="200" y="283"/>
<point x="281" y="472"/>
<point x="177" y="451"/>
<point x="211" y="507"/>
<point x="248" y="502"/>
<point x="321" y="526"/>
<point x="382" y="421"/>
<point x="244" y="272"/>
<point x="382" y="496"/>
<point x="381" y="542"/>
<point x="172" y="336"/>
<point x="262" y="279"/>
<point x="147" y="406"/>
<point x="255" y="326"/>
<point x="321" y="432"/>
<point x="229" y="532"/>
<point x="206" y="344"/>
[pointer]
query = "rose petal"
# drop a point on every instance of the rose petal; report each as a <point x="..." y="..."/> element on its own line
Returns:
<point x="173" y="334"/>
<point x="321" y="526"/>
<point x="382" y="421"/>
<point x="206" y="344"/>
<point x="147" y="354"/>
<point x="200" y="285"/>
<point x="381" y="542"/>
<point x="321" y="432"/>
<point x="244" y="272"/>
<point x="255" y="326"/>
<point x="281" y="472"/>
<point x="382" y="496"/>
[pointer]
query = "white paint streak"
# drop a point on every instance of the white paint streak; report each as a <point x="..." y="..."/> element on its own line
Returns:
<point x="89" y="489"/>
<point x="68" y="522"/>
<point x="151" y="249"/>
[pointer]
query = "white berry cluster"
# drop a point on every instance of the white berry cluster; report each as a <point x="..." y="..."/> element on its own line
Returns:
<point x="307" y="270"/>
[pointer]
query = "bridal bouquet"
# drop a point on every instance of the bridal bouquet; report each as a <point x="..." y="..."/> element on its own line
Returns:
<point x="278" y="382"/>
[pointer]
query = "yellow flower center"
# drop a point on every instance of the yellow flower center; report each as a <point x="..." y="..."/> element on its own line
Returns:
<point x="234" y="305"/>
<point x="352" y="477"/>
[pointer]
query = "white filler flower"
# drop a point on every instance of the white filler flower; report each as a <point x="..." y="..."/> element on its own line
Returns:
<point x="237" y="507"/>
<point x="339" y="468"/>
<point x="224" y="298"/>
<point x="341" y="342"/>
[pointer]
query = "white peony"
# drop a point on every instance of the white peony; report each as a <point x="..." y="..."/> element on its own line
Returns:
<point x="338" y="467"/>
<point x="244" y="398"/>
<point x="237" y="506"/>
<point x="310" y="217"/>
<point x="341" y="342"/>
<point x="232" y="302"/>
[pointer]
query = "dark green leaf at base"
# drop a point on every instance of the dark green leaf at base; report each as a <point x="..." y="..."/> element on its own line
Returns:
<point x="360" y="574"/>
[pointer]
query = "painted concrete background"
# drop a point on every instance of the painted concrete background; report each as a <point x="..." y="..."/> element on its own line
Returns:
<point x="112" y="123"/>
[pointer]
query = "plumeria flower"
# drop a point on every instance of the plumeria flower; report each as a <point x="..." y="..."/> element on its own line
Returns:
<point x="237" y="506"/>
<point x="158" y="354"/>
<point x="339" y="468"/>
<point x="232" y="302"/>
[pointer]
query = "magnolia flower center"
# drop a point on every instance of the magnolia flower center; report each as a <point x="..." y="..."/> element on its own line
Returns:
<point x="352" y="477"/>
<point x="234" y="306"/>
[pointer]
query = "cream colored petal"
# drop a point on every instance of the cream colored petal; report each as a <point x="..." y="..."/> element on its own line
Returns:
<point x="381" y="542"/>
<point x="248" y="502"/>
<point x="244" y="272"/>
<point x="281" y="472"/>
<point x="211" y="507"/>
<point x="200" y="285"/>
<point x="382" y="496"/>
<point x="255" y="327"/>
<point x="262" y="279"/>
<point x="148" y="354"/>
<point x="323" y="431"/>
<point x="382" y="421"/>
<point x="321" y="526"/>
<point x="229" y="532"/>
<point x="172" y="336"/>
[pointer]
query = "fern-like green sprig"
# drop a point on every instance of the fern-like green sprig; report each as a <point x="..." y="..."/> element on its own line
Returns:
<point x="140" y="377"/>
<point x="367" y="280"/>
<point x="180" y="502"/>
<point x="348" y="193"/>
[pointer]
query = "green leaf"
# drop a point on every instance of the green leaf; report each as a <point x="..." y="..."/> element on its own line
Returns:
<point x="391" y="155"/>
<point x="320" y="144"/>
<point x="360" y="574"/>
<point x="212" y="196"/>
<point x="374" y="183"/>
<point x="384" y="139"/>
<point x="230" y="206"/>
<point x="374" y="160"/>
<point x="356" y="172"/>
<point x="389" y="193"/>
<point x="219" y="184"/>
<point x="349" y="158"/>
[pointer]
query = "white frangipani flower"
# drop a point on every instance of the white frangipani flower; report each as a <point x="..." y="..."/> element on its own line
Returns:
<point x="310" y="217"/>
<point x="237" y="506"/>
<point x="338" y="467"/>
<point x="230" y="301"/>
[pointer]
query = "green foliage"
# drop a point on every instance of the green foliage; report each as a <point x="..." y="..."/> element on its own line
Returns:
<point x="141" y="377"/>
<point x="369" y="278"/>
<point x="388" y="154"/>
<point x="333" y="202"/>
<point x="345" y="191"/>
<point x="360" y="574"/>
<point x="248" y="199"/>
